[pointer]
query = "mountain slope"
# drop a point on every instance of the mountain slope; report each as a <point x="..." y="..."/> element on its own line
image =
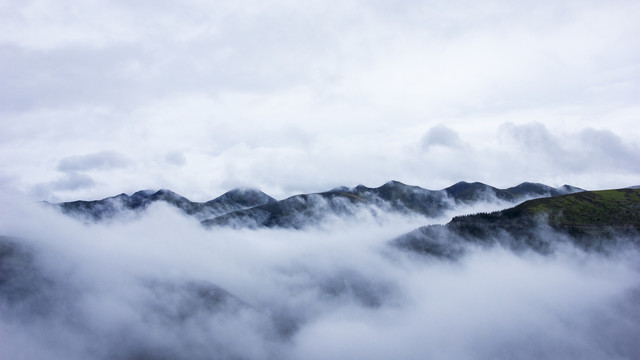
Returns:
<point x="590" y="219"/>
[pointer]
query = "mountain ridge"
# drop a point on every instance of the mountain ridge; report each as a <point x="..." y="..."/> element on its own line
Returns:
<point x="253" y="208"/>
<point x="110" y="207"/>
<point x="299" y="211"/>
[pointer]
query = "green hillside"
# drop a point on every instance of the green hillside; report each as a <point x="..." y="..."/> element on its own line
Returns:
<point x="593" y="220"/>
<point x="590" y="208"/>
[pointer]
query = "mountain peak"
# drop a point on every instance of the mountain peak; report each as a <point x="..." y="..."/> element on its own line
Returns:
<point x="165" y="192"/>
<point x="530" y="187"/>
<point x="243" y="190"/>
<point x="462" y="186"/>
<point x="143" y="193"/>
<point x="394" y="183"/>
<point x="244" y="196"/>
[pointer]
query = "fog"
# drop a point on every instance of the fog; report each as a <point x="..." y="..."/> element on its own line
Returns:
<point x="162" y="286"/>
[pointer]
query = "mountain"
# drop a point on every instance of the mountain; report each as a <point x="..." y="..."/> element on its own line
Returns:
<point x="98" y="210"/>
<point x="253" y="208"/>
<point x="469" y="192"/>
<point x="541" y="190"/>
<point x="589" y="219"/>
<point x="307" y="209"/>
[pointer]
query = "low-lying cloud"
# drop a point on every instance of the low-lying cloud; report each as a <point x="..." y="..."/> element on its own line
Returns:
<point x="161" y="286"/>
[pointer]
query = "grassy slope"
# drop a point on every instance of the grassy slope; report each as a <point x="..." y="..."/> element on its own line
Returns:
<point x="595" y="220"/>
<point x="586" y="216"/>
<point x="613" y="208"/>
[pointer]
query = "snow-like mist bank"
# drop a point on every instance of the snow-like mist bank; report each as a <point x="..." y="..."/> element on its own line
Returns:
<point x="164" y="287"/>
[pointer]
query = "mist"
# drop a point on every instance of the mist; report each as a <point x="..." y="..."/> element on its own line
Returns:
<point x="162" y="286"/>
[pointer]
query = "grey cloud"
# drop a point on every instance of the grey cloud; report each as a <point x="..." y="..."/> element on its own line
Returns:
<point x="175" y="158"/>
<point x="534" y="136"/>
<point x="104" y="160"/>
<point x="227" y="50"/>
<point x="71" y="181"/>
<point x="66" y="76"/>
<point x="441" y="135"/>
<point x="607" y="148"/>
<point x="536" y="148"/>
<point x="581" y="151"/>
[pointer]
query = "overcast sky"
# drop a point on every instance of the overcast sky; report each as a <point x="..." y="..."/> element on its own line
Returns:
<point x="103" y="97"/>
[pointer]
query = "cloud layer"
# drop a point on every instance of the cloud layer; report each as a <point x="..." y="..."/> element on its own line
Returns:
<point x="162" y="286"/>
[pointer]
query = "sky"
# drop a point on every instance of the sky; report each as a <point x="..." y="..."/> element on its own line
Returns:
<point x="103" y="97"/>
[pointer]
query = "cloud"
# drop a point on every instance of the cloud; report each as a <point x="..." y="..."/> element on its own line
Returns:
<point x="608" y="149"/>
<point x="75" y="178"/>
<point x="584" y="151"/>
<point x="70" y="182"/>
<point x="175" y="158"/>
<point x="534" y="136"/>
<point x="441" y="135"/>
<point x="105" y="160"/>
